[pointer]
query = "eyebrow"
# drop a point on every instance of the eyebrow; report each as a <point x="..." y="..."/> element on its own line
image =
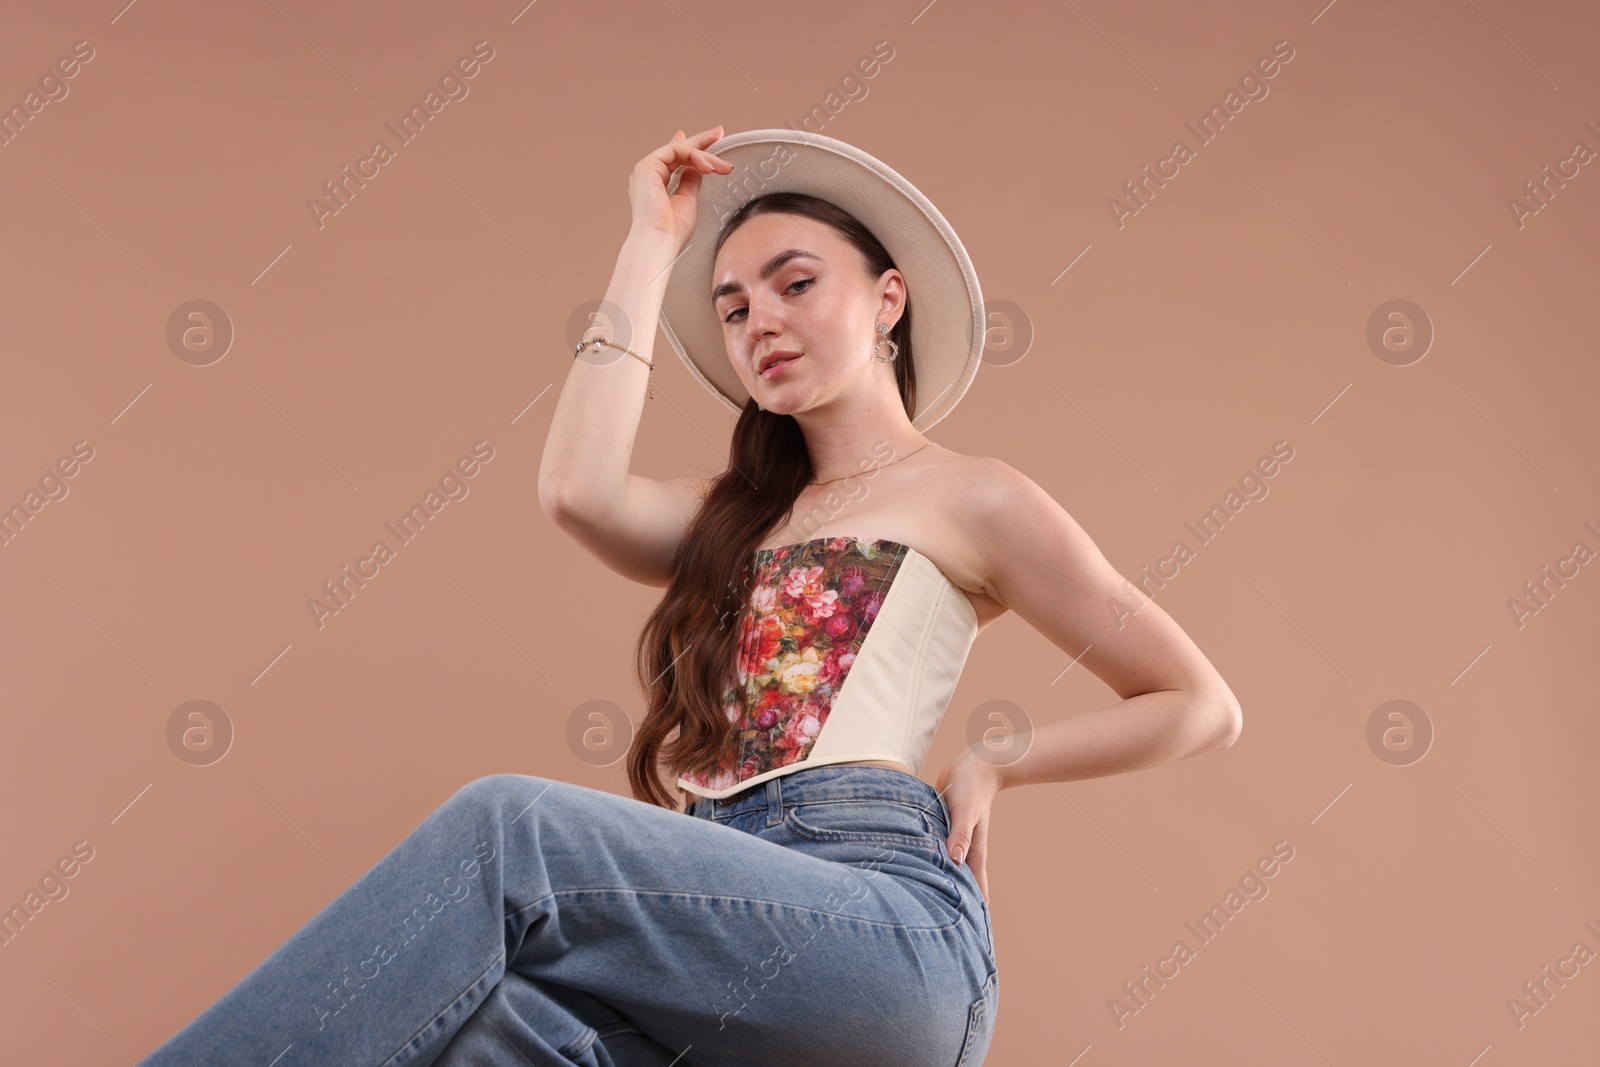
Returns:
<point x="728" y="288"/>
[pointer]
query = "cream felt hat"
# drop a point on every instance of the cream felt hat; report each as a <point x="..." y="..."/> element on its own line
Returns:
<point x="947" y="322"/>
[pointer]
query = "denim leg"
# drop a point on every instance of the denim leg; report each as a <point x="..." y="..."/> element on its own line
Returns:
<point x="722" y="946"/>
<point x="525" y="1021"/>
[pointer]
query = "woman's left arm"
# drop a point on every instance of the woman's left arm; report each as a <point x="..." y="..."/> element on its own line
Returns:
<point x="1039" y="562"/>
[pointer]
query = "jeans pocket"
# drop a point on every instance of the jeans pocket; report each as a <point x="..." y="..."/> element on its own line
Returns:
<point x="980" y="1022"/>
<point x="890" y="823"/>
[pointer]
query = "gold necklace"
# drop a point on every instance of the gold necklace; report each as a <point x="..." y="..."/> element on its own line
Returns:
<point x="879" y="467"/>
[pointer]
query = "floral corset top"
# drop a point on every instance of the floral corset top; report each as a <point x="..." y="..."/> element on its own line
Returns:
<point x="849" y="650"/>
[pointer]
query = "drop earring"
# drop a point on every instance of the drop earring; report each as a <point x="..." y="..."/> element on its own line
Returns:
<point x="883" y="338"/>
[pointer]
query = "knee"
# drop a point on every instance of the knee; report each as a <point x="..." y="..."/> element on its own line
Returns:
<point x="499" y="790"/>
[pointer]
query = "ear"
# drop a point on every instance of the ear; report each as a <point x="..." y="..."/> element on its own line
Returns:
<point x="892" y="296"/>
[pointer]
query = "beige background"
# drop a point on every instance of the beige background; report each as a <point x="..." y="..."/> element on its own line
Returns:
<point x="1230" y="312"/>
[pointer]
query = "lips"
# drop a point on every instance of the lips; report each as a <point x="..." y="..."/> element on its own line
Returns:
<point x="771" y="360"/>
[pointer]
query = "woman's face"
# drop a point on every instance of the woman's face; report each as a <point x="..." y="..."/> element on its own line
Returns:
<point x="819" y="302"/>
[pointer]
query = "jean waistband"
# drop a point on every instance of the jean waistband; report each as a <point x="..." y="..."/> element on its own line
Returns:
<point x="828" y="782"/>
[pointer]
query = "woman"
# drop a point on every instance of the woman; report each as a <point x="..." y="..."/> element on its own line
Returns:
<point x="823" y="905"/>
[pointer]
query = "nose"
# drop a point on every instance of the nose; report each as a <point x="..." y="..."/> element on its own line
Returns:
<point x="762" y="317"/>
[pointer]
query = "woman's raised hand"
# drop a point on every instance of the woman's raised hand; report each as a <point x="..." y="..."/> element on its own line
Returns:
<point x="674" y="215"/>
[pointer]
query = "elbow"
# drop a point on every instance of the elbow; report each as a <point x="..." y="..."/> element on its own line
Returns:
<point x="1215" y="718"/>
<point x="1229" y="722"/>
<point x="550" y="502"/>
<point x="555" y="501"/>
<point x="566" y="502"/>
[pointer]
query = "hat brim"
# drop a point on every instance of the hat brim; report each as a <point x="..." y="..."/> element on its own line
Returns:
<point x="947" y="303"/>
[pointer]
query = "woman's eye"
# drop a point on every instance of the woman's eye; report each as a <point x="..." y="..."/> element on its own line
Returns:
<point x="729" y="316"/>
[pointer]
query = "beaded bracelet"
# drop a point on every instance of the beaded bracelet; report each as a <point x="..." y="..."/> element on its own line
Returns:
<point x="595" y="343"/>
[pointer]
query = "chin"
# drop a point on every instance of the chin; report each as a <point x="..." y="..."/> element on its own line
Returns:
<point x="782" y="407"/>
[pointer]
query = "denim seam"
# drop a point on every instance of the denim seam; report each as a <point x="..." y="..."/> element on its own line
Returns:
<point x="925" y="842"/>
<point x="408" y="1050"/>
<point x="976" y="1015"/>
<point x="578" y="1048"/>
<point x="776" y="808"/>
<point x="721" y="812"/>
<point x="702" y="897"/>
<point x="811" y="801"/>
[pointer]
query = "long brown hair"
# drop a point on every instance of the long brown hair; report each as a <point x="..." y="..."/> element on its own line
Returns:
<point x="686" y="657"/>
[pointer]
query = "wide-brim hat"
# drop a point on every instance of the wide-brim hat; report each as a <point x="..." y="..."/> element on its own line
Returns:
<point x="947" y="324"/>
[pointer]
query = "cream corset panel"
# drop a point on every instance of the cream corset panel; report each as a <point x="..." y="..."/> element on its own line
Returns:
<point x="850" y="650"/>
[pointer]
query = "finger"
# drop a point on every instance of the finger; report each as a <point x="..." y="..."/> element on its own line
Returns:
<point x="705" y="161"/>
<point x="674" y="154"/>
<point x="701" y="139"/>
<point x="688" y="183"/>
<point x="677" y="153"/>
<point x="706" y="137"/>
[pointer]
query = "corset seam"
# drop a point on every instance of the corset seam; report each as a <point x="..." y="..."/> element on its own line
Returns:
<point x="931" y="619"/>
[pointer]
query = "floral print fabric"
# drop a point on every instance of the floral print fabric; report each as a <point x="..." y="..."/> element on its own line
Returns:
<point x="810" y="608"/>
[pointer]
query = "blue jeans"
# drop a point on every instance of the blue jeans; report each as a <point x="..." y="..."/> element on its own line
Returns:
<point x="813" y="919"/>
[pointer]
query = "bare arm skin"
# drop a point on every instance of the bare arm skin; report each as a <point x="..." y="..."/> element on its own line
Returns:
<point x="1041" y="564"/>
<point x="631" y="523"/>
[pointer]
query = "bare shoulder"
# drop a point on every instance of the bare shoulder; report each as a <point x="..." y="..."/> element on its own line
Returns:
<point x="979" y="494"/>
<point x="992" y="491"/>
<point x="1011" y="523"/>
<point x="1037" y="560"/>
<point x="991" y="472"/>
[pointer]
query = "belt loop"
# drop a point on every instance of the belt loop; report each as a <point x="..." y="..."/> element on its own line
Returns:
<point x="774" y="802"/>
